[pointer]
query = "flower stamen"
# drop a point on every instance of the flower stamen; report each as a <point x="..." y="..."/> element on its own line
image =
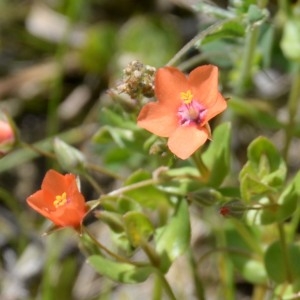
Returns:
<point x="186" y="97"/>
<point x="60" y="200"/>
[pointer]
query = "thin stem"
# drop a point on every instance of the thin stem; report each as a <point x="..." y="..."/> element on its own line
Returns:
<point x="110" y="253"/>
<point x="199" y="288"/>
<point x="247" y="59"/>
<point x="99" y="169"/>
<point x="293" y="225"/>
<point x="284" y="250"/>
<point x="225" y="268"/>
<point x="39" y="151"/>
<point x="93" y="182"/>
<point x="133" y="186"/>
<point x="196" y="39"/>
<point x="292" y="108"/>
<point x="157" y="291"/>
<point x="201" y="165"/>
<point x="247" y="237"/>
<point x="166" y="285"/>
<point x="259" y="292"/>
<point x="151" y="254"/>
<point x="225" y="250"/>
<point x="155" y="261"/>
<point x="284" y="7"/>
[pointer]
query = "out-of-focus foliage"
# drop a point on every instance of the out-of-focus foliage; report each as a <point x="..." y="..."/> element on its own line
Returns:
<point x="224" y="223"/>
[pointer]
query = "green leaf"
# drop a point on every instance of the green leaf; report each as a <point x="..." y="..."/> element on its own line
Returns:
<point x="112" y="219"/>
<point x="288" y="199"/>
<point x="259" y="113"/>
<point x="232" y="29"/>
<point x="138" y="228"/>
<point x="256" y="14"/>
<point x="251" y="186"/>
<point x="147" y="196"/>
<point x="107" y="134"/>
<point x="276" y="265"/>
<point x="284" y="207"/>
<point x="68" y="157"/>
<point x="290" y="43"/>
<point x="265" y="169"/>
<point x="217" y="156"/>
<point x="118" y="271"/>
<point x="154" y="48"/>
<point x="242" y="257"/>
<point x="173" y="239"/>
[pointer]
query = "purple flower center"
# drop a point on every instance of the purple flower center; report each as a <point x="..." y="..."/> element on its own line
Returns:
<point x="191" y="113"/>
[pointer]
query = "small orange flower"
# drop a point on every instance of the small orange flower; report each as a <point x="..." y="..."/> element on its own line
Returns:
<point x="59" y="200"/>
<point x="184" y="107"/>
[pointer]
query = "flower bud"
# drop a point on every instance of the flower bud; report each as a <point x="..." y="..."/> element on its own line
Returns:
<point x="205" y="197"/>
<point x="234" y="209"/>
<point x="7" y="135"/>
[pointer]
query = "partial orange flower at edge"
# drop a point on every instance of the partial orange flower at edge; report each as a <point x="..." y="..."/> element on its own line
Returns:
<point x="59" y="200"/>
<point x="184" y="107"/>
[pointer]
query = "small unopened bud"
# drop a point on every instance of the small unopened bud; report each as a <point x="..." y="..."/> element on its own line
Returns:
<point x="233" y="209"/>
<point x="205" y="197"/>
<point x="7" y="134"/>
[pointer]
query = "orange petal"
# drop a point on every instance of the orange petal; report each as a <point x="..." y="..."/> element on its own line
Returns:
<point x="68" y="216"/>
<point x="73" y="194"/>
<point x="54" y="183"/>
<point x="186" y="140"/>
<point x="219" y="106"/>
<point x="169" y="83"/>
<point x="158" y="119"/>
<point x="36" y="202"/>
<point x="204" y="82"/>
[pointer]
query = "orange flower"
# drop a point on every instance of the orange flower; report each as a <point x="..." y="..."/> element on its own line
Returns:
<point x="59" y="200"/>
<point x="184" y="107"/>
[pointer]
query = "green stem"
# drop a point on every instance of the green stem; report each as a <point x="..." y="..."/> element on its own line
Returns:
<point x="201" y="165"/>
<point x="166" y="285"/>
<point x="93" y="182"/>
<point x="155" y="261"/>
<point x="259" y="292"/>
<point x="107" y="251"/>
<point x="20" y="156"/>
<point x="247" y="59"/>
<point x="293" y="225"/>
<point x="225" y="268"/>
<point x="157" y="291"/>
<point x="292" y="108"/>
<point x="247" y="237"/>
<point x="197" y="38"/>
<point x="99" y="169"/>
<point x="133" y="186"/>
<point x="284" y="249"/>
<point x="199" y="287"/>
<point x="284" y="7"/>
